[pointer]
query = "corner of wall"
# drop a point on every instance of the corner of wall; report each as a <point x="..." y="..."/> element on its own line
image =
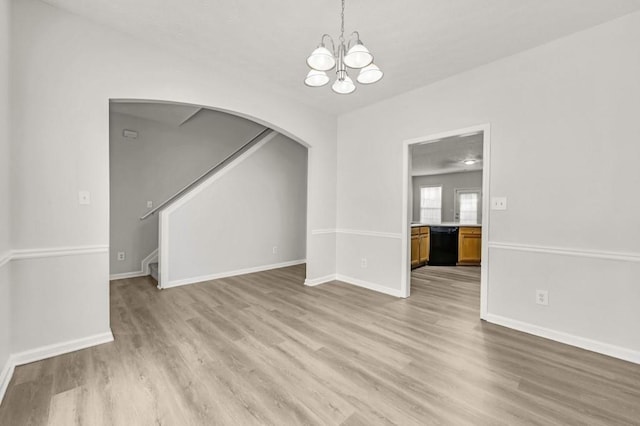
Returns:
<point x="6" y="369"/>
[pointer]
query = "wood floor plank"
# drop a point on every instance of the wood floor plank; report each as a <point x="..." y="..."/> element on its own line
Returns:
<point x="65" y="408"/>
<point x="263" y="349"/>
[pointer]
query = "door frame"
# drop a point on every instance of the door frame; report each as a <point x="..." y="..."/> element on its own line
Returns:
<point x="407" y="207"/>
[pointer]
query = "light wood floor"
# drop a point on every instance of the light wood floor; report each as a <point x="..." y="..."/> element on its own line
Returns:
<point x="264" y="349"/>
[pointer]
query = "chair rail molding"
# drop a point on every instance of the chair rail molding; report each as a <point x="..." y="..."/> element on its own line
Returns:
<point x="5" y="258"/>
<point x="38" y="253"/>
<point x="356" y="232"/>
<point x="567" y="251"/>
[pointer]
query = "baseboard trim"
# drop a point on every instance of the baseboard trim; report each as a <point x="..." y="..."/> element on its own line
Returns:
<point x="125" y="275"/>
<point x="368" y="285"/>
<point x="45" y="352"/>
<point x="153" y="256"/>
<point x="5" y="377"/>
<point x="353" y="281"/>
<point x="56" y="349"/>
<point x="321" y="280"/>
<point x="566" y="338"/>
<point x="144" y="268"/>
<point x="187" y="281"/>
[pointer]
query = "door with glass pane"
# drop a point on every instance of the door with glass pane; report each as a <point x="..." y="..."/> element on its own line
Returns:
<point x="468" y="206"/>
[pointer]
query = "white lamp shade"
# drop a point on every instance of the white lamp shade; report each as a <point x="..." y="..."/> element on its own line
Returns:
<point x="321" y="59"/>
<point x="316" y="78"/>
<point x="358" y="57"/>
<point x="369" y="74"/>
<point x="344" y="87"/>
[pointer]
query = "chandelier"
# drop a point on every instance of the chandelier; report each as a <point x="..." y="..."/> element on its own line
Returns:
<point x="357" y="56"/>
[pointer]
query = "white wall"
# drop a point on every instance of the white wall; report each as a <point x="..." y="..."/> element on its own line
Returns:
<point x="5" y="198"/>
<point x="563" y="150"/>
<point x="234" y="222"/>
<point x="72" y="307"/>
<point x="65" y="70"/>
<point x="570" y="105"/>
<point x="162" y="160"/>
<point x="449" y="182"/>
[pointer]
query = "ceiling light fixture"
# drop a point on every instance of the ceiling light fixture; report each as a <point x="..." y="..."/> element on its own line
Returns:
<point x="357" y="56"/>
<point x="469" y="162"/>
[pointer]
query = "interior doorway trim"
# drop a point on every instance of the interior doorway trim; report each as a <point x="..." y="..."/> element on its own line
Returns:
<point x="407" y="207"/>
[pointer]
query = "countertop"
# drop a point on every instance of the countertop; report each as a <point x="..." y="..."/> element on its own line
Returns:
<point x="476" y="225"/>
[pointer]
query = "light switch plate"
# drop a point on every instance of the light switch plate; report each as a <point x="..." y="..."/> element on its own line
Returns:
<point x="498" y="203"/>
<point x="149" y="204"/>
<point x="84" y="198"/>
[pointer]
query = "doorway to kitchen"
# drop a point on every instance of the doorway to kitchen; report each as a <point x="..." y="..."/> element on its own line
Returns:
<point x="446" y="214"/>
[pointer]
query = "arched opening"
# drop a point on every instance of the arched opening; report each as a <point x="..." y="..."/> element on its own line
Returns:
<point x="204" y="192"/>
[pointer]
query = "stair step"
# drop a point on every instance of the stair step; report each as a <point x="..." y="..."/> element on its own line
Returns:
<point x="154" y="271"/>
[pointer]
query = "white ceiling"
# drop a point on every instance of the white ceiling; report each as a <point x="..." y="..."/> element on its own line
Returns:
<point x="171" y="114"/>
<point x="447" y="156"/>
<point x="416" y="42"/>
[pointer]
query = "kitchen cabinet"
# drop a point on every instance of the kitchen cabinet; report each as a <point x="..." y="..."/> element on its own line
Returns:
<point x="419" y="245"/>
<point x="424" y="244"/>
<point x="415" y="247"/>
<point x="469" y="245"/>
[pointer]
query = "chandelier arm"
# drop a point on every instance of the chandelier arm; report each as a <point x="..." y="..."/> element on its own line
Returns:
<point x="333" y="45"/>
<point x="351" y="39"/>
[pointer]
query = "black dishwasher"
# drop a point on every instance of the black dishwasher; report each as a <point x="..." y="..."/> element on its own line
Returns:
<point x="444" y="246"/>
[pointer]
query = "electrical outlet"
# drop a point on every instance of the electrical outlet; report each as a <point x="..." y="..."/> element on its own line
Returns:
<point x="274" y="250"/>
<point x="542" y="297"/>
<point x="149" y="204"/>
<point x="363" y="262"/>
<point x="121" y="255"/>
<point x="84" y="198"/>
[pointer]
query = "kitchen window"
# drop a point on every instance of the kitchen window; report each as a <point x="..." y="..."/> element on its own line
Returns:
<point x="431" y="204"/>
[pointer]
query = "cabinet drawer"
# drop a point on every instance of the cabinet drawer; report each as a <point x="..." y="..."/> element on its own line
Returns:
<point x="469" y="230"/>
<point x="424" y="230"/>
<point x="415" y="230"/>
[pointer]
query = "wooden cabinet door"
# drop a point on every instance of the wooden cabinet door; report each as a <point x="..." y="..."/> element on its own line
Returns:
<point x="424" y="244"/>
<point x="469" y="245"/>
<point x="415" y="250"/>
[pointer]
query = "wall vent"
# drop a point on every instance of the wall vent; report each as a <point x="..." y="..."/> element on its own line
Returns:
<point x="130" y="134"/>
